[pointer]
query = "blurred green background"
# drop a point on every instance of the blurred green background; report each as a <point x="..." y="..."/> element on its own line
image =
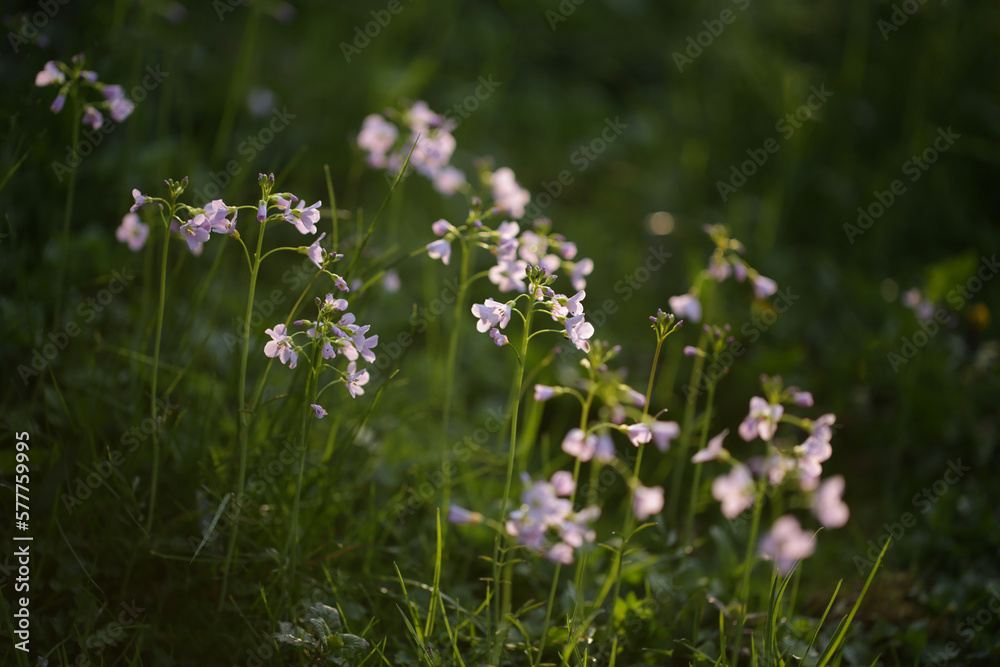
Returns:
<point x="564" y="70"/>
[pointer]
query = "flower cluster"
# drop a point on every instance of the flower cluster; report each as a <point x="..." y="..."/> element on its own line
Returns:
<point x="113" y="99"/>
<point x="336" y="332"/>
<point x="546" y="516"/>
<point x="737" y="490"/>
<point x="724" y="262"/>
<point x="428" y="136"/>
<point x="218" y="217"/>
<point x="620" y="401"/>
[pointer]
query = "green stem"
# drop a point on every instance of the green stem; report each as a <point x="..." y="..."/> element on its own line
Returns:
<point x="449" y="382"/>
<point x="629" y="514"/>
<point x="689" y="526"/>
<point x="67" y="214"/>
<point x="156" y="372"/>
<point x="291" y="547"/>
<point x="241" y="479"/>
<point x="692" y="402"/>
<point x="584" y="418"/>
<point x="745" y="586"/>
<point x="503" y="600"/>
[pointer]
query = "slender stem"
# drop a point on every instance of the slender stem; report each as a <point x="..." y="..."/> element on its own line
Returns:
<point x="692" y="402"/>
<point x="156" y="372"/>
<point x="67" y="214"/>
<point x="503" y="601"/>
<point x="291" y="547"/>
<point x="745" y="586"/>
<point x="449" y="381"/>
<point x="584" y="418"/>
<point x="241" y="479"/>
<point x="629" y="514"/>
<point x="696" y="483"/>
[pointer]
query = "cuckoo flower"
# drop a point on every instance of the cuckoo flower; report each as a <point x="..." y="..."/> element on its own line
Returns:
<point x="828" y="504"/>
<point x="280" y="346"/>
<point x="646" y="502"/>
<point x="786" y="543"/>
<point x="762" y="420"/>
<point x="133" y="232"/>
<point x="685" y="307"/>
<point x="491" y="314"/>
<point x="713" y="450"/>
<point x="582" y="446"/>
<point x="735" y="491"/>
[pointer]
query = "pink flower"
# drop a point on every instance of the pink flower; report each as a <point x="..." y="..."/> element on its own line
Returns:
<point x="563" y="482"/>
<point x="507" y="194"/>
<point x="441" y="227"/>
<point x="377" y="137"/>
<point x="318" y="410"/>
<point x="663" y="433"/>
<point x="440" y="249"/>
<point x="828" y="505"/>
<point x="448" y="180"/>
<point x="316" y="253"/>
<point x="133" y="232"/>
<point x="93" y="117"/>
<point x="580" y="269"/>
<point x="280" y="346"/>
<point x="195" y="231"/>
<point x="139" y="198"/>
<point x="735" y="491"/>
<point x="763" y="287"/>
<point x="491" y="314"/>
<point x="605" y="451"/>
<point x="762" y="420"/>
<point x="50" y="74"/>
<point x="462" y="516"/>
<point x="712" y="450"/>
<point x="579" y="332"/>
<point x="639" y="434"/>
<point x="577" y="444"/>
<point x="356" y="380"/>
<point x="787" y="543"/>
<point x="647" y="502"/>
<point x="544" y="392"/>
<point x="685" y="307"/>
<point x="498" y="337"/>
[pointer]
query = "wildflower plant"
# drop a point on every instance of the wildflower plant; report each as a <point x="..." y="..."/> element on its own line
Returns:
<point x="89" y="100"/>
<point x="333" y="334"/>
